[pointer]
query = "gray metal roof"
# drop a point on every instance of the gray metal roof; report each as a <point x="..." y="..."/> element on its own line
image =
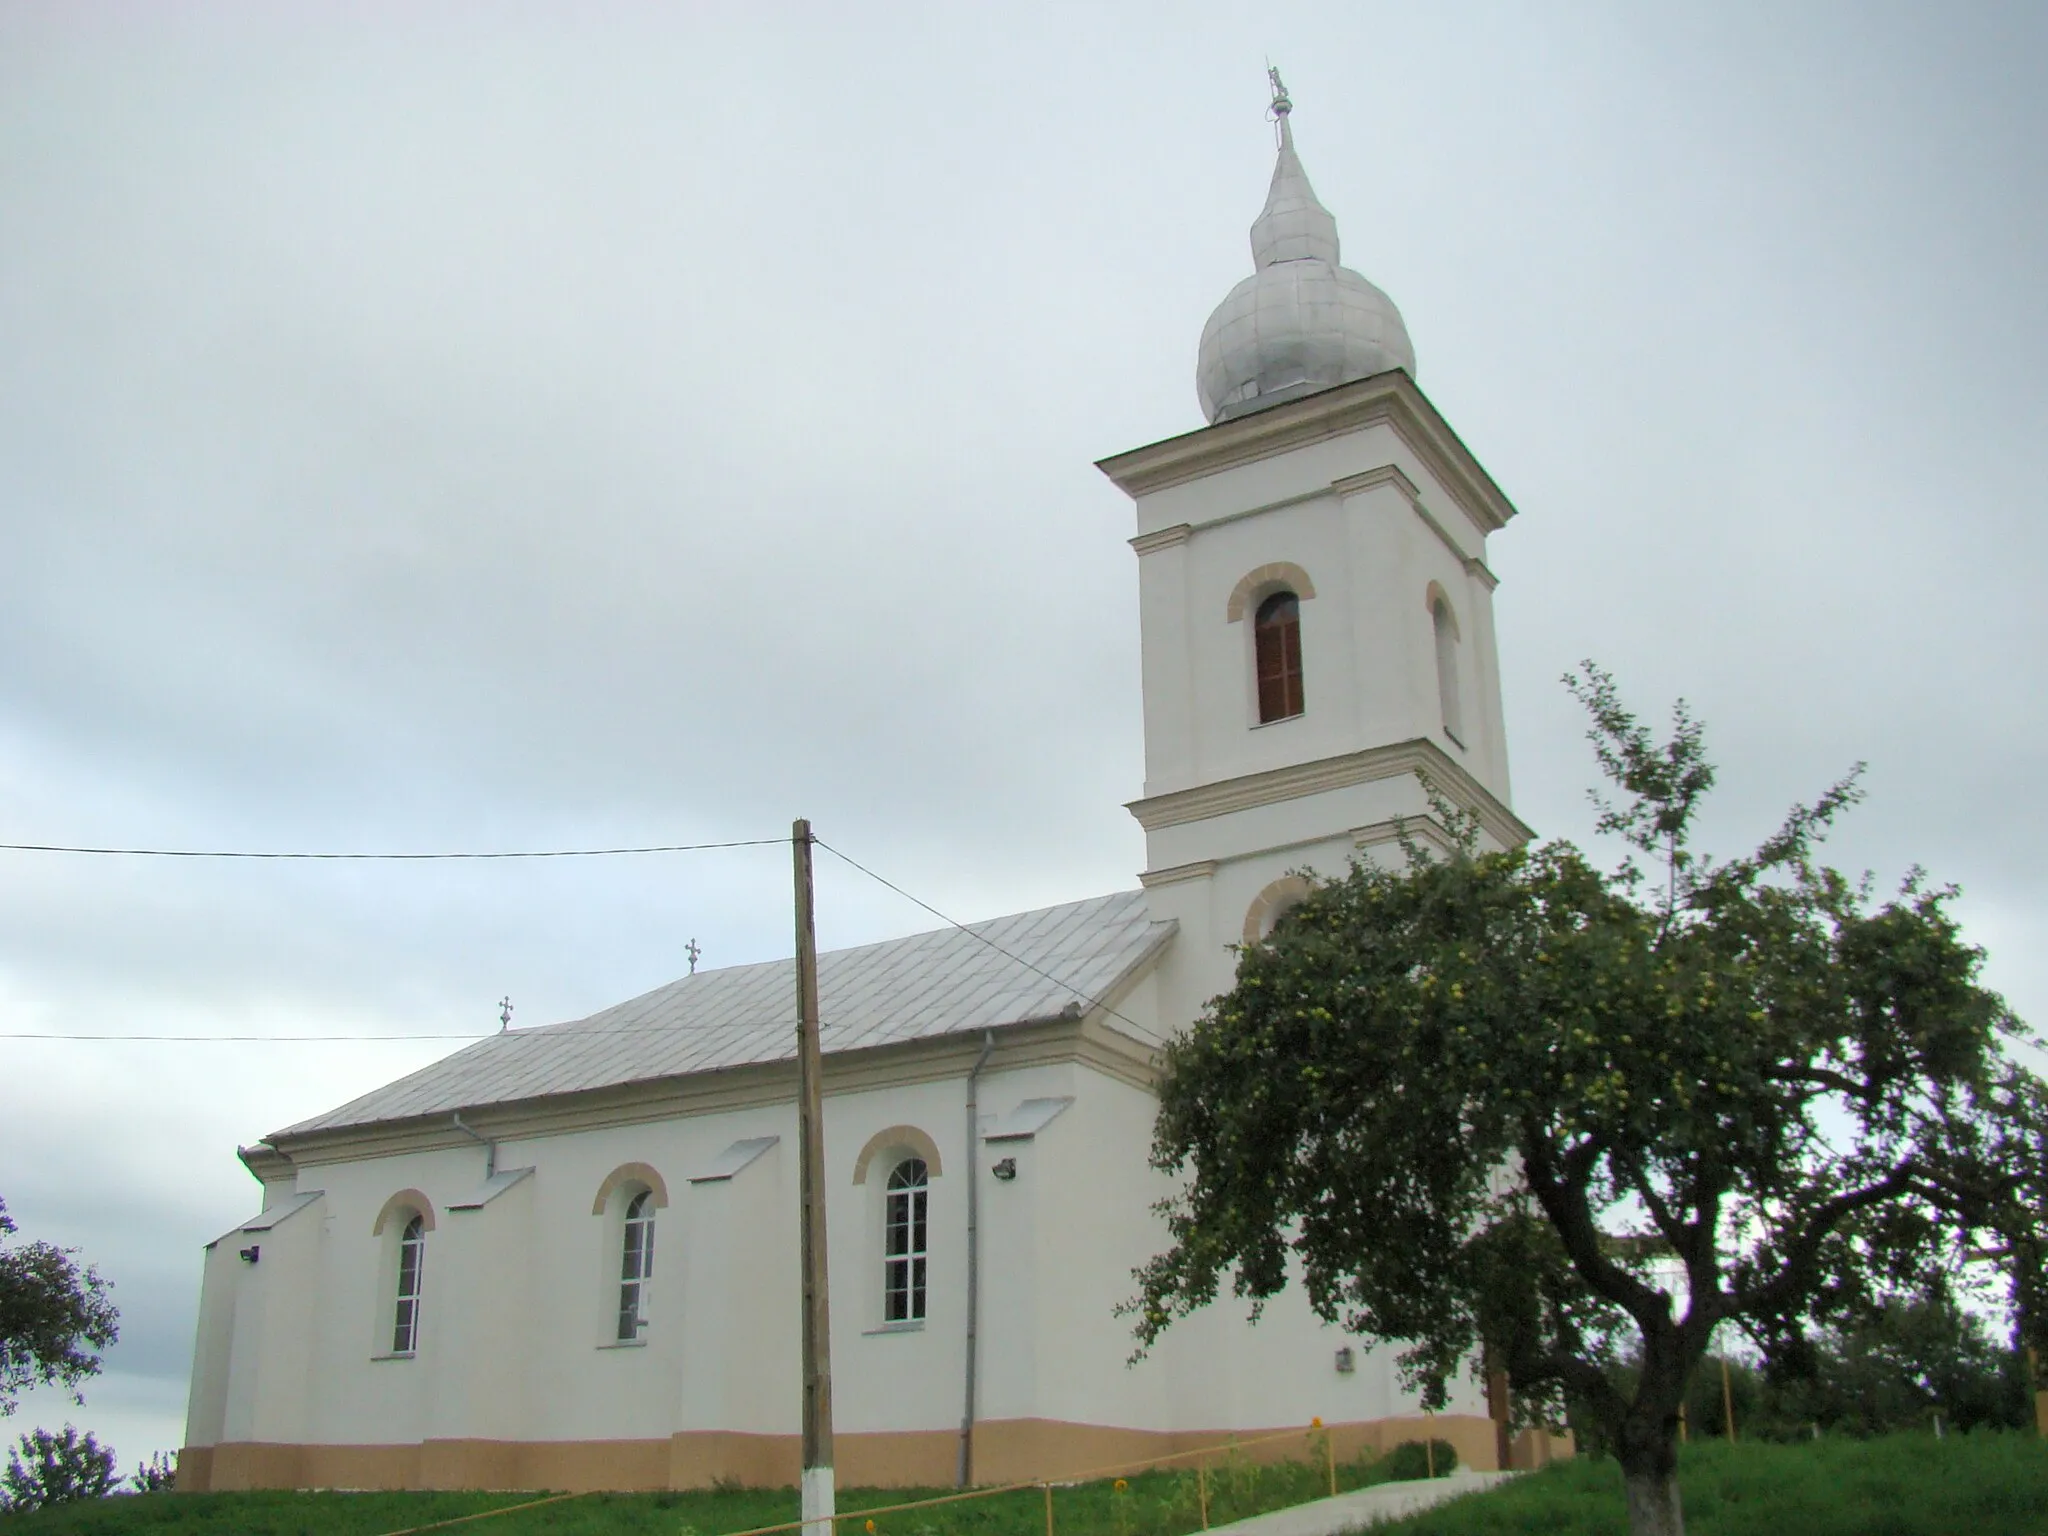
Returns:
<point x="1300" y="323"/>
<point x="913" y="988"/>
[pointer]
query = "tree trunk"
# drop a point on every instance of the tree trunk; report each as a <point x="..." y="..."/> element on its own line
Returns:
<point x="1653" y="1503"/>
<point x="1646" y="1438"/>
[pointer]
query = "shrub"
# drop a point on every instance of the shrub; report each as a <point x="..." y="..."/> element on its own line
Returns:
<point x="59" y="1468"/>
<point x="159" y="1474"/>
<point x="1411" y="1459"/>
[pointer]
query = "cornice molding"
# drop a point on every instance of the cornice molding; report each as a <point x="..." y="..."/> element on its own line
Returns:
<point x="1163" y="538"/>
<point x="1201" y="869"/>
<point x="1386" y="474"/>
<point x="1390" y="398"/>
<point x="265" y="1163"/>
<point x="1420" y="757"/>
<point x="1424" y="829"/>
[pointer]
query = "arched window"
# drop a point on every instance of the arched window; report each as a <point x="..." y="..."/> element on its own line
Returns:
<point x="1276" y="638"/>
<point x="1447" y="667"/>
<point x="412" y="1257"/>
<point x="903" y="1242"/>
<point x="636" y="1266"/>
<point x="1272" y="904"/>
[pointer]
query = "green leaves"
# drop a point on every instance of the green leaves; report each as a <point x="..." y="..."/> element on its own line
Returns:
<point x="1508" y="1101"/>
<point x="54" y="1317"/>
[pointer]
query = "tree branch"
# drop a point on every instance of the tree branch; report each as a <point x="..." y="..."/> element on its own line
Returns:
<point x="1577" y="1376"/>
<point x="1825" y="1077"/>
<point x="1799" y="1253"/>
<point x="1565" y="1204"/>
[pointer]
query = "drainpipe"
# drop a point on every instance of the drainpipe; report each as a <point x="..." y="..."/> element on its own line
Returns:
<point x="490" y="1146"/>
<point x="988" y="1045"/>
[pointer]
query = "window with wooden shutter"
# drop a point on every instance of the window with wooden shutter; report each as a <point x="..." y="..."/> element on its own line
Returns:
<point x="1276" y="638"/>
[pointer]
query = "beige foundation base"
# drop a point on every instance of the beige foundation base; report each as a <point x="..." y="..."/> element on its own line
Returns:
<point x="1005" y="1451"/>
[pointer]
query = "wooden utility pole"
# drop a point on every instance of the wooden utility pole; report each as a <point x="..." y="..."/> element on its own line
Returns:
<point x="819" y="1503"/>
<point x="1497" y="1409"/>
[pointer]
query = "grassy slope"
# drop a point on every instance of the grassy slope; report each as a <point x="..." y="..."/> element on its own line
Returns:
<point x="1151" y="1504"/>
<point x="1906" y="1485"/>
<point x="1902" y="1485"/>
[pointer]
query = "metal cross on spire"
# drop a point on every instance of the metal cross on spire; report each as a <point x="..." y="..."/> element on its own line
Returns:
<point x="505" y="1013"/>
<point x="693" y="950"/>
<point x="1280" y="106"/>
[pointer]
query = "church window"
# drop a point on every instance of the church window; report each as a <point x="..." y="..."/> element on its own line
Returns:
<point x="1276" y="639"/>
<point x="1446" y="628"/>
<point x="903" y="1244"/>
<point x="412" y="1254"/>
<point x="1272" y="904"/>
<point x="636" y="1266"/>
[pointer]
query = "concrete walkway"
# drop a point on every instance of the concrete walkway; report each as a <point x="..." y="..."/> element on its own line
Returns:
<point x="1366" y="1507"/>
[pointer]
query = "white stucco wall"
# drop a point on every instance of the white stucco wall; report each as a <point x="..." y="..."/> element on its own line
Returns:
<point x="516" y="1341"/>
<point x="1371" y="552"/>
<point x="1376" y="530"/>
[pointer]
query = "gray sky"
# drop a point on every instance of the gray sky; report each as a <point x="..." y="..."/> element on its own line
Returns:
<point x="463" y="426"/>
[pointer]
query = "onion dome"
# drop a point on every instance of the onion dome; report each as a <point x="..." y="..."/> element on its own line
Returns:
<point x="1300" y="322"/>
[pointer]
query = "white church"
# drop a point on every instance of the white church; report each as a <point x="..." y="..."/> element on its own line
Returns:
<point x="566" y="1257"/>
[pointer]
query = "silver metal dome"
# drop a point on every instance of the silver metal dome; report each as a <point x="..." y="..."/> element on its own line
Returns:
<point x="1300" y="322"/>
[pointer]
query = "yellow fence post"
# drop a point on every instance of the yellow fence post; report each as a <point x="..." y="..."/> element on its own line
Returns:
<point x="1201" y="1486"/>
<point x="1048" y="1508"/>
<point x="1329" y="1455"/>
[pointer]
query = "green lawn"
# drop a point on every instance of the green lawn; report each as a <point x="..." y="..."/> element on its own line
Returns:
<point x="1983" y="1484"/>
<point x="1166" y="1503"/>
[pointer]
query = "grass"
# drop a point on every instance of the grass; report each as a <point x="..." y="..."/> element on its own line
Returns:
<point x="1981" y="1484"/>
<point x="1161" y="1503"/>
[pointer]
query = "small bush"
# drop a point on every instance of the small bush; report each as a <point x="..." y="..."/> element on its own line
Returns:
<point x="59" y="1468"/>
<point x="159" y="1474"/>
<point x="1411" y="1459"/>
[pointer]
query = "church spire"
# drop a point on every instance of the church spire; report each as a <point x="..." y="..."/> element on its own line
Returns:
<point x="1294" y="226"/>
<point x="1301" y="322"/>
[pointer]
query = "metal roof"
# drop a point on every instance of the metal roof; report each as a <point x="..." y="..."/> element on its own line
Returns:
<point x="1008" y="970"/>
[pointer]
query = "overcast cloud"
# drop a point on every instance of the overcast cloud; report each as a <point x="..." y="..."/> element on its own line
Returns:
<point x="482" y="427"/>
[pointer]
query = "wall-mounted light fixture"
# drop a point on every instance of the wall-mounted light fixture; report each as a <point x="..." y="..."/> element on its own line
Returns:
<point x="1347" y="1362"/>
<point x="251" y="1253"/>
<point x="1006" y="1169"/>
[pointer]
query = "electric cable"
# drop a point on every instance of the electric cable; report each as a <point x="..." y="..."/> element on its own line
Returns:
<point x="516" y="853"/>
<point x="1153" y="1035"/>
<point x="1093" y="1001"/>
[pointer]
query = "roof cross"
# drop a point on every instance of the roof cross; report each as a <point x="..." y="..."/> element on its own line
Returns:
<point x="1278" y="108"/>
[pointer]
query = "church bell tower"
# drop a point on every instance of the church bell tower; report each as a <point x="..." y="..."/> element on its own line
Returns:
<point x="1316" y="607"/>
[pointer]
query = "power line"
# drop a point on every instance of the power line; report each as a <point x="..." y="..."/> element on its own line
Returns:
<point x="1058" y="981"/>
<point x="553" y="853"/>
<point x="238" y="1039"/>
<point x="644" y="1031"/>
<point x="517" y="853"/>
<point x="566" y="1027"/>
